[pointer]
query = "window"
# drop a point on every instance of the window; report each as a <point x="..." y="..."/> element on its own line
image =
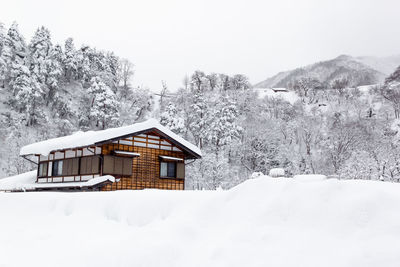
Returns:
<point x="70" y="166"/>
<point x="43" y="169"/>
<point x="172" y="169"/>
<point x="168" y="169"/>
<point x="90" y="165"/>
<point x="57" y="168"/>
<point x="117" y="165"/>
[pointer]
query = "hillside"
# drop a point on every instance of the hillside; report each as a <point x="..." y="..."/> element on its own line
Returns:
<point x="262" y="222"/>
<point x="385" y="65"/>
<point x="354" y="69"/>
<point x="50" y="90"/>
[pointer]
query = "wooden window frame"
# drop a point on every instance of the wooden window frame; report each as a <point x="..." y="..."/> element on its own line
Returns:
<point x="123" y="158"/>
<point x="86" y="174"/>
<point x="52" y="168"/>
<point x="168" y="162"/>
<point x="47" y="169"/>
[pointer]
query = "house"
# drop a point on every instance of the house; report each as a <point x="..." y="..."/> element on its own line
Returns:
<point x="280" y="90"/>
<point x="142" y="155"/>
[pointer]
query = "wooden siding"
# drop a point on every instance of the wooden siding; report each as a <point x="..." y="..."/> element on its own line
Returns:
<point x="146" y="167"/>
<point x="67" y="154"/>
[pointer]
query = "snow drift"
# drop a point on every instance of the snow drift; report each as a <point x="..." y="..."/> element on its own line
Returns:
<point x="262" y="222"/>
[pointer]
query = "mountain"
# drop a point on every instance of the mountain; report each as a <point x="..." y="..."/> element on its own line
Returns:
<point x="386" y="65"/>
<point x="359" y="71"/>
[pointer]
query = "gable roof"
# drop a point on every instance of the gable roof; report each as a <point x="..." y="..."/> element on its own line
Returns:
<point x="90" y="138"/>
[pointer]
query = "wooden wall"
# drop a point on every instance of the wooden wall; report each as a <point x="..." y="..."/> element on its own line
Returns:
<point x="146" y="167"/>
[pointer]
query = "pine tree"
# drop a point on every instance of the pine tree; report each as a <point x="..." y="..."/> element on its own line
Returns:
<point x="53" y="70"/>
<point x="40" y="49"/>
<point x="70" y="60"/>
<point x="198" y="117"/>
<point x="223" y="125"/>
<point x="171" y="119"/>
<point x="2" y="37"/>
<point x="104" y="108"/>
<point x="28" y="95"/>
<point x="3" y="66"/>
<point x="14" y="51"/>
<point x="83" y="60"/>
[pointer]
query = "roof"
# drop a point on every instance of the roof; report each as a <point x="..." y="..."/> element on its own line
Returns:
<point x="92" y="182"/>
<point x="90" y="138"/>
<point x="26" y="182"/>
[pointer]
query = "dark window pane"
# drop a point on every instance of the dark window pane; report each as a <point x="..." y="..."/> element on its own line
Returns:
<point x="171" y="169"/>
<point x="55" y="168"/>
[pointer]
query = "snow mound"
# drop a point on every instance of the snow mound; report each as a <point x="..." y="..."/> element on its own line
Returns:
<point x="27" y="181"/>
<point x="309" y="177"/>
<point x="256" y="175"/>
<point x="289" y="96"/>
<point x="18" y="182"/>
<point x="277" y="172"/>
<point x="262" y="222"/>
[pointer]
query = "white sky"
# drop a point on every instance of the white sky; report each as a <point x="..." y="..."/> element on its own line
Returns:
<point x="167" y="39"/>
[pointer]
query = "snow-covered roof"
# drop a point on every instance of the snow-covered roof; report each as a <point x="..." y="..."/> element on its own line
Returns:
<point x="171" y="158"/>
<point x="83" y="139"/>
<point x="89" y="183"/>
<point x="27" y="181"/>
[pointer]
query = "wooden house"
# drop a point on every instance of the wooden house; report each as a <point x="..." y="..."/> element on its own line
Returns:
<point x="142" y="155"/>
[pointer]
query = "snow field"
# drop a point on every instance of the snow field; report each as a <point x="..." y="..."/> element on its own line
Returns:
<point x="262" y="222"/>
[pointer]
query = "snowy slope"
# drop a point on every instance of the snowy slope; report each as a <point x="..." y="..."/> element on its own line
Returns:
<point x="289" y="96"/>
<point x="386" y="65"/>
<point x="262" y="222"/>
<point x="326" y="71"/>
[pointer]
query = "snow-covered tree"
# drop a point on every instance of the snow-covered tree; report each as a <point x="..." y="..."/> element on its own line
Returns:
<point x="14" y="51"/>
<point x="104" y="107"/>
<point x="53" y="73"/>
<point x="70" y="60"/>
<point x="27" y="95"/>
<point x="40" y="48"/>
<point x="391" y="91"/>
<point x="223" y="125"/>
<point x="124" y="75"/>
<point x="172" y="120"/>
<point x="307" y="88"/>
<point x="198" y="117"/>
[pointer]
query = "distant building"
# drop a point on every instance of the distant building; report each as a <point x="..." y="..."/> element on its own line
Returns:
<point x="280" y="90"/>
<point x="142" y="155"/>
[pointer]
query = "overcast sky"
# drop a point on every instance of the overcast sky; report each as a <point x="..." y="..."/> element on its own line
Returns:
<point x="167" y="39"/>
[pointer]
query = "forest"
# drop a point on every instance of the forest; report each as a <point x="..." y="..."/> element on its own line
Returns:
<point x="336" y="127"/>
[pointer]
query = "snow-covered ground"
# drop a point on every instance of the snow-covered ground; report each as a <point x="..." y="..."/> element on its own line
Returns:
<point x="262" y="222"/>
<point x="289" y="96"/>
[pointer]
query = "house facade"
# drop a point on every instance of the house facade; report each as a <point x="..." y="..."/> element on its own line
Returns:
<point x="139" y="156"/>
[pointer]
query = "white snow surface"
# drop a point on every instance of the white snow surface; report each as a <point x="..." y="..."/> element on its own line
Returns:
<point x="27" y="181"/>
<point x="82" y="139"/>
<point x="277" y="172"/>
<point x="262" y="222"/>
<point x="18" y="182"/>
<point x="310" y="177"/>
<point x="289" y="96"/>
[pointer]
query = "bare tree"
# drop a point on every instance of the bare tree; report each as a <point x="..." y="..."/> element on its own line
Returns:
<point x="391" y="91"/>
<point x="339" y="85"/>
<point x="307" y="88"/>
<point x="163" y="94"/>
<point x="125" y="73"/>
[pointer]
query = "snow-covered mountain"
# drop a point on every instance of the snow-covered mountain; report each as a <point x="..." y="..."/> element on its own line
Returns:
<point x="386" y="65"/>
<point x="359" y="71"/>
